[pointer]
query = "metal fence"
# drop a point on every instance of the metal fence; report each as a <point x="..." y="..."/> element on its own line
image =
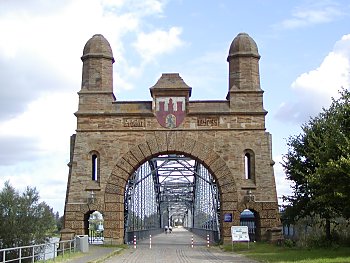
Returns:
<point x="141" y="234"/>
<point x="214" y="236"/>
<point x="96" y="237"/>
<point x="35" y="253"/>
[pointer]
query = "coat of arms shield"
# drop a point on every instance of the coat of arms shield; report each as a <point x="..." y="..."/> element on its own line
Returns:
<point x="170" y="111"/>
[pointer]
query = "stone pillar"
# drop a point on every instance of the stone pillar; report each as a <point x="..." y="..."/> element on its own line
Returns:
<point x="67" y="234"/>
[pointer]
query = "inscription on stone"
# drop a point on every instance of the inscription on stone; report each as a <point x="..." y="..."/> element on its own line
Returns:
<point x="134" y="122"/>
<point x="208" y="121"/>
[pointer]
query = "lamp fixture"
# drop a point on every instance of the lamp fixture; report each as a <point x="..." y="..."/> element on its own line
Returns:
<point x="91" y="198"/>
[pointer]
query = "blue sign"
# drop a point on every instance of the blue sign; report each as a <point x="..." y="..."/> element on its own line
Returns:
<point x="228" y="217"/>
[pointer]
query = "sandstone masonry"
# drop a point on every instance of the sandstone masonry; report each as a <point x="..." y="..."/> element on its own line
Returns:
<point x="125" y="134"/>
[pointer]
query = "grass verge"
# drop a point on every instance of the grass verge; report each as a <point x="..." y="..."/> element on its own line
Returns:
<point x="264" y="252"/>
<point x="66" y="257"/>
<point x="69" y="256"/>
<point x="118" y="250"/>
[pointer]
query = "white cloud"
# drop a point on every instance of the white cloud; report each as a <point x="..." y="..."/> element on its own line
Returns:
<point x="158" y="42"/>
<point x="41" y="72"/>
<point x="327" y="79"/>
<point x="48" y="122"/>
<point x="319" y="12"/>
<point x="149" y="6"/>
<point x="48" y="174"/>
<point x="316" y="87"/>
<point x="139" y="7"/>
<point x="36" y="147"/>
<point x="42" y="40"/>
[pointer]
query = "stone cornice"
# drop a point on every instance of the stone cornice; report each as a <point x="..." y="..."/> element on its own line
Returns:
<point x="150" y="114"/>
<point x="133" y="129"/>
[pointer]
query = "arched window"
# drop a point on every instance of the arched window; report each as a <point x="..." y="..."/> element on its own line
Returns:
<point x="95" y="167"/>
<point x="249" y="165"/>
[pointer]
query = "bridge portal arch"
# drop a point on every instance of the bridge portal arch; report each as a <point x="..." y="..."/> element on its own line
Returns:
<point x="160" y="144"/>
<point x="113" y="138"/>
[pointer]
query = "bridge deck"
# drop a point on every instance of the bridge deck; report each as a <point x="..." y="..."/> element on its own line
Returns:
<point x="176" y="247"/>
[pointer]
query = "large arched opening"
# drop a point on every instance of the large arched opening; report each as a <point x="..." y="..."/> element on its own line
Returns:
<point x="212" y="175"/>
<point x="168" y="192"/>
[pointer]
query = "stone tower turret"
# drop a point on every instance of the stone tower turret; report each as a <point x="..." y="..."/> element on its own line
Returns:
<point x="244" y="78"/>
<point x="97" y="78"/>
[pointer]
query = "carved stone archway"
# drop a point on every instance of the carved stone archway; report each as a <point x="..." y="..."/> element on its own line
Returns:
<point x="162" y="143"/>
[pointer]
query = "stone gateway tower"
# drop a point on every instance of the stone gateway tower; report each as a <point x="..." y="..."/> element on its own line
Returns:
<point x="114" y="138"/>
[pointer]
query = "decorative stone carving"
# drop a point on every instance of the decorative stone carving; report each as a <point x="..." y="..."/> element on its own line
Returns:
<point x="133" y="122"/>
<point x="208" y="121"/>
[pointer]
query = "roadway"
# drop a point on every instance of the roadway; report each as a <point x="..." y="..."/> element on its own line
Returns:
<point x="176" y="247"/>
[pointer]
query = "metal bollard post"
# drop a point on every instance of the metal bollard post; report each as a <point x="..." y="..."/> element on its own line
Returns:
<point x="54" y="250"/>
<point x="192" y="242"/>
<point x="134" y="241"/>
<point x="150" y="241"/>
<point x="208" y="240"/>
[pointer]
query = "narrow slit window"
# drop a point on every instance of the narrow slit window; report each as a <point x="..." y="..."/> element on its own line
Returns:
<point x="248" y="166"/>
<point x="94" y="167"/>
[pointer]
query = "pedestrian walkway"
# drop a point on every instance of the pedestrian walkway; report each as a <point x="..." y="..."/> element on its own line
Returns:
<point x="176" y="247"/>
<point x="97" y="253"/>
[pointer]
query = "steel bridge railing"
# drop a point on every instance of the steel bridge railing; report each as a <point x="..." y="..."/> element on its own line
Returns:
<point x="141" y="234"/>
<point x="41" y="252"/>
<point x="213" y="234"/>
<point x="169" y="190"/>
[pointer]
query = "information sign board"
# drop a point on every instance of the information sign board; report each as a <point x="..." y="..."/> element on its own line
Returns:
<point x="239" y="233"/>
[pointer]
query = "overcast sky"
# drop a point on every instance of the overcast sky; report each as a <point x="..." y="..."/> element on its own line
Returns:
<point x="305" y="59"/>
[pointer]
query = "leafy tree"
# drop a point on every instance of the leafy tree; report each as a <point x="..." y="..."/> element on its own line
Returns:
<point x="318" y="162"/>
<point x="59" y="222"/>
<point x="23" y="219"/>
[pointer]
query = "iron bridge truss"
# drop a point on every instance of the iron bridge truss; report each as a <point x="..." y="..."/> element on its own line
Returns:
<point x="171" y="190"/>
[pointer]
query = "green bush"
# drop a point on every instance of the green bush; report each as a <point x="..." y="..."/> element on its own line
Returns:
<point x="289" y="243"/>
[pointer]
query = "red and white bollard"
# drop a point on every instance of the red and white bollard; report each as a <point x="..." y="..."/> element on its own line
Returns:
<point x="134" y="241"/>
<point x="150" y="241"/>
<point x="192" y="242"/>
<point x="208" y="241"/>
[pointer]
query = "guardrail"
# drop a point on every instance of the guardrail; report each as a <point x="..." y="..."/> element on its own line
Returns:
<point x="141" y="234"/>
<point x="213" y="235"/>
<point x="41" y="252"/>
